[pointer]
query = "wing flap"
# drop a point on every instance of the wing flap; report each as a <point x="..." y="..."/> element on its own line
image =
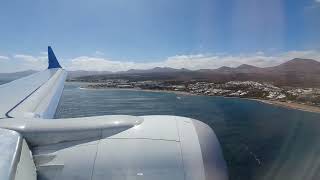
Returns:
<point x="15" y="92"/>
<point x="43" y="102"/>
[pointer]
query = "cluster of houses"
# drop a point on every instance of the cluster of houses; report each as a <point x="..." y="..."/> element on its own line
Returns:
<point x="238" y="89"/>
<point x="246" y="89"/>
<point x="251" y="89"/>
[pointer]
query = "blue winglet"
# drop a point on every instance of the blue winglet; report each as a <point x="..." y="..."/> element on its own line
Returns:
<point x="53" y="62"/>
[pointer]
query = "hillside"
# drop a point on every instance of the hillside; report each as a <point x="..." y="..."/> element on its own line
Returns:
<point x="296" y="72"/>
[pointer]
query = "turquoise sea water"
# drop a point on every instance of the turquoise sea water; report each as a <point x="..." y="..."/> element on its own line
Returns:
<point x="259" y="141"/>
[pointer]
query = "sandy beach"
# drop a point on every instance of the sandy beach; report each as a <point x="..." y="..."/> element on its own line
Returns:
<point x="147" y="90"/>
<point x="291" y="105"/>
<point x="168" y="91"/>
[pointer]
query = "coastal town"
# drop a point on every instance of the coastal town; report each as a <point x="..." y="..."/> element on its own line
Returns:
<point x="241" y="89"/>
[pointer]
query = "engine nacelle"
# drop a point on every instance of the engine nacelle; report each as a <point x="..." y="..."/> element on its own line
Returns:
<point x="122" y="147"/>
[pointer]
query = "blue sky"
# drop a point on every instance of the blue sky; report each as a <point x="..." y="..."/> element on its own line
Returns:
<point x="154" y="31"/>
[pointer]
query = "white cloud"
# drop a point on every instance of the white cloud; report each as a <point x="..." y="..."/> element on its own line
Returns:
<point x="20" y="62"/>
<point x="4" y="58"/>
<point x="193" y="62"/>
<point x="98" y="53"/>
<point x="27" y="58"/>
<point x="44" y="53"/>
<point x="97" y="64"/>
<point x="313" y="6"/>
<point x="31" y="62"/>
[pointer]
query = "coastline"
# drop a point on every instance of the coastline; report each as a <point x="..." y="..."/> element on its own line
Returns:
<point x="289" y="105"/>
<point x="146" y="90"/>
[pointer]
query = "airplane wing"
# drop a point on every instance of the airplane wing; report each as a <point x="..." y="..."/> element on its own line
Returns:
<point x="117" y="147"/>
<point x="36" y="95"/>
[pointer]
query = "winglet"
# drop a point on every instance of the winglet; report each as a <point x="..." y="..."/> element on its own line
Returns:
<point x="53" y="62"/>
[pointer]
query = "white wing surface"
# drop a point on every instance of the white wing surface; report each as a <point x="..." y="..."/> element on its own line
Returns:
<point x="36" y="95"/>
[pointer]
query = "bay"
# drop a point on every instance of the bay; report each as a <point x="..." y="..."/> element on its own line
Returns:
<point x="259" y="141"/>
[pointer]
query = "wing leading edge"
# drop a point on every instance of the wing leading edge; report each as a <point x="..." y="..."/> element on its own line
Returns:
<point x="36" y="95"/>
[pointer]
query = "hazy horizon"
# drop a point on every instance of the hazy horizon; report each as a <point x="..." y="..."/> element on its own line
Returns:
<point x="160" y="67"/>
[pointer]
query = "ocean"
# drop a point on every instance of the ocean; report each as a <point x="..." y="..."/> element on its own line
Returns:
<point x="259" y="141"/>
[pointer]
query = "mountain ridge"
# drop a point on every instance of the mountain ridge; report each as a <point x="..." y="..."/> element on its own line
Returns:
<point x="296" y="72"/>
